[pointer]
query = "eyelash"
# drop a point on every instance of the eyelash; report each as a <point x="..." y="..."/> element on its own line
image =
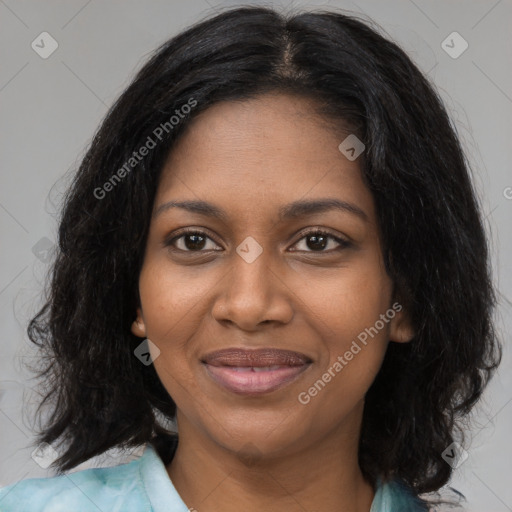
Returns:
<point x="303" y="234"/>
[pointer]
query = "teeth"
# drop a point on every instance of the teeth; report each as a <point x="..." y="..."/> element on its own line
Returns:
<point x="256" y="368"/>
<point x="265" y="368"/>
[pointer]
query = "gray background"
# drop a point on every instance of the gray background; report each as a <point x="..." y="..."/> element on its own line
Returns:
<point x="51" y="107"/>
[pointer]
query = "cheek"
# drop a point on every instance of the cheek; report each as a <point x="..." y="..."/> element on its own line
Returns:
<point x="170" y="308"/>
<point x="170" y="299"/>
<point x="350" y="317"/>
<point x="346" y="305"/>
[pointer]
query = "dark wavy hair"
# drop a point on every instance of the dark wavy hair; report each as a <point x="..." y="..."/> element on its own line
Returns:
<point x="434" y="244"/>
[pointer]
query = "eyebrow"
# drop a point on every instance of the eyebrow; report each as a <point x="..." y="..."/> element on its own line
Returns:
<point x="293" y="210"/>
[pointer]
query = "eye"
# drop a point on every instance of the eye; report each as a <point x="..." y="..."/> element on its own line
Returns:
<point x="317" y="240"/>
<point x="192" y="241"/>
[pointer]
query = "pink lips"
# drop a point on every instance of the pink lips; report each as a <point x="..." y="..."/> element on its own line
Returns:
<point x="255" y="371"/>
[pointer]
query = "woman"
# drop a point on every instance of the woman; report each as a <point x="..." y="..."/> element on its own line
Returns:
<point x="273" y="241"/>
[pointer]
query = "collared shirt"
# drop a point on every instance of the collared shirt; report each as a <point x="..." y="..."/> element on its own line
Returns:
<point x="142" y="485"/>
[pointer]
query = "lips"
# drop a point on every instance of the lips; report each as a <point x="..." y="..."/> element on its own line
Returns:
<point x="256" y="358"/>
<point x="255" y="371"/>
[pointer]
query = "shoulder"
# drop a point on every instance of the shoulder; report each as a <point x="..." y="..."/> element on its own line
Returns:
<point x="113" y="488"/>
<point x="398" y="497"/>
<point x="395" y="496"/>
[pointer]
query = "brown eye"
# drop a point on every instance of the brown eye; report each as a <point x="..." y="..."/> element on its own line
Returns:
<point x="192" y="241"/>
<point x="318" y="241"/>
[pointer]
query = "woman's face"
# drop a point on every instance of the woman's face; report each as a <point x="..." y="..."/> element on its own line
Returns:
<point x="260" y="276"/>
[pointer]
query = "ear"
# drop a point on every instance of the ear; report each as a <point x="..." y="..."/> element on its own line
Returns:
<point x="401" y="329"/>
<point x="138" y="326"/>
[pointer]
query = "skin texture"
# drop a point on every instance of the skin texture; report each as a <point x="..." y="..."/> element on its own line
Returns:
<point x="268" y="452"/>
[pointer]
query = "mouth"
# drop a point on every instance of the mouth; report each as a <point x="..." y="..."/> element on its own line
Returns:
<point x="255" y="371"/>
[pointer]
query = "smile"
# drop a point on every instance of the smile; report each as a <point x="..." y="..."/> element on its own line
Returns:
<point x="250" y="380"/>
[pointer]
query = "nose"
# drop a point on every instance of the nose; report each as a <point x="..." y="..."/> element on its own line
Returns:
<point x="252" y="294"/>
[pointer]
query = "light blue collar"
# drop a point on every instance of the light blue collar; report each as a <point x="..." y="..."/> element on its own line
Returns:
<point x="163" y="496"/>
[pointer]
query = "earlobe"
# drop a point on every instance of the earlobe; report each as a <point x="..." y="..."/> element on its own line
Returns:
<point x="401" y="330"/>
<point x="138" y="326"/>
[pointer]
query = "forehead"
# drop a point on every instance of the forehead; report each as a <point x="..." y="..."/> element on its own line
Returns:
<point x="264" y="151"/>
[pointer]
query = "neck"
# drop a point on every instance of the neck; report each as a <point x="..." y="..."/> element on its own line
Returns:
<point x="323" y="475"/>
